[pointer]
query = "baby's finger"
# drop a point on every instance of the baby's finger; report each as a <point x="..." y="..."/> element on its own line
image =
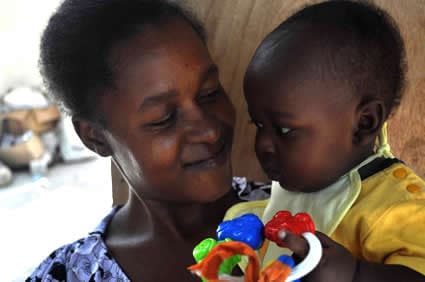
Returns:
<point x="296" y="244"/>
<point x="324" y="240"/>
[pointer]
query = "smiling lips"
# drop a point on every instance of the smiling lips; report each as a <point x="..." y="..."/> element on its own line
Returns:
<point x="217" y="159"/>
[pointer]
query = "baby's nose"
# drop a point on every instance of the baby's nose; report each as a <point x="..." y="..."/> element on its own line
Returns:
<point x="264" y="144"/>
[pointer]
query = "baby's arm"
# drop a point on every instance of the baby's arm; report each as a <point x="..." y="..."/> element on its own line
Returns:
<point x="337" y="264"/>
<point x="385" y="272"/>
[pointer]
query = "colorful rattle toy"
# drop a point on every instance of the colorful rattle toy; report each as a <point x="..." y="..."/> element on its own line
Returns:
<point x="245" y="234"/>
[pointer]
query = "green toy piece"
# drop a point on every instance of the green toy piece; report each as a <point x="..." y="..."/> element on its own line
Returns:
<point x="204" y="247"/>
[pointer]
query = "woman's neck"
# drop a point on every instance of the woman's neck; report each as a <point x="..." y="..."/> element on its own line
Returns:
<point x="144" y="219"/>
<point x="190" y="220"/>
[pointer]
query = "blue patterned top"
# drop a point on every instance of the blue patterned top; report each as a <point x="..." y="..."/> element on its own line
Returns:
<point x="88" y="259"/>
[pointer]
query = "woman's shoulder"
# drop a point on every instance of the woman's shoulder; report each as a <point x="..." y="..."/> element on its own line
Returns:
<point x="249" y="190"/>
<point x="86" y="259"/>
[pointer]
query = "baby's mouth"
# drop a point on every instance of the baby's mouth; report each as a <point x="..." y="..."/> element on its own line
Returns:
<point x="272" y="173"/>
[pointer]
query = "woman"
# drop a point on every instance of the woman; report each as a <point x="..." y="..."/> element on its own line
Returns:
<point x="138" y="80"/>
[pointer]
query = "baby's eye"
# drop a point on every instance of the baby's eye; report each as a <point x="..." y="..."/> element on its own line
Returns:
<point x="283" y="130"/>
<point x="257" y="124"/>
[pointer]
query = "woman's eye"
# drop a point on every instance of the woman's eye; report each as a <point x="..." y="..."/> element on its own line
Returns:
<point x="209" y="95"/>
<point x="165" y="121"/>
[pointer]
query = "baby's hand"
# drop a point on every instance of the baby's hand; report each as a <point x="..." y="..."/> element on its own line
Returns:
<point x="337" y="264"/>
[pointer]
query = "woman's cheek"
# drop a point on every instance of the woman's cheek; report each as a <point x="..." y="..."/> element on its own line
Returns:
<point x="164" y="152"/>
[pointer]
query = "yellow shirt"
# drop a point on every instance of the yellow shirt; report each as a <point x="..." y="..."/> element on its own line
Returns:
<point x="386" y="223"/>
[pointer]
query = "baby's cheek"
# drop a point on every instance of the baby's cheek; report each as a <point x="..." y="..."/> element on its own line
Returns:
<point x="304" y="172"/>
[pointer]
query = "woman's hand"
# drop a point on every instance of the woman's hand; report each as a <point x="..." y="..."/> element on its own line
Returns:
<point x="337" y="263"/>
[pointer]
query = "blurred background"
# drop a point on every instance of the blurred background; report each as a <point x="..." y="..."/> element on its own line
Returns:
<point x="52" y="189"/>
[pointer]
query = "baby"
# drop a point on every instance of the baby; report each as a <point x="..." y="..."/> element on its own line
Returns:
<point x="319" y="90"/>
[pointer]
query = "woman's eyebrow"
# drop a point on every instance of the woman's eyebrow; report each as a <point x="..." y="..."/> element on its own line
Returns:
<point x="157" y="99"/>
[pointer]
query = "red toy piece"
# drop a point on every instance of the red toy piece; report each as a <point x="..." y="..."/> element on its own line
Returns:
<point x="284" y="220"/>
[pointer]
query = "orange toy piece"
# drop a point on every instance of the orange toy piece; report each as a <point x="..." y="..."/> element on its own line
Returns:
<point x="275" y="272"/>
<point x="209" y="266"/>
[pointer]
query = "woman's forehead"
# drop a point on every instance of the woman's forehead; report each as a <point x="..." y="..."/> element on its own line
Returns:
<point x="160" y="50"/>
<point x="167" y="59"/>
<point x="159" y="57"/>
<point x="171" y="37"/>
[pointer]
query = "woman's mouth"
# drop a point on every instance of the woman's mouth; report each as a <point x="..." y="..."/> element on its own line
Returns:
<point x="217" y="159"/>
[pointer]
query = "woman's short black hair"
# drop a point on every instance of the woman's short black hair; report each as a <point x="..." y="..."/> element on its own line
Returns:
<point x="360" y="42"/>
<point x="77" y="41"/>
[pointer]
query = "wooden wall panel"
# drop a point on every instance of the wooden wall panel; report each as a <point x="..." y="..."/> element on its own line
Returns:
<point x="407" y="126"/>
<point x="236" y="27"/>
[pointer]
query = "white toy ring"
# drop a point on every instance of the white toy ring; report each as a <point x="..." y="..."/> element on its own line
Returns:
<point x="300" y="270"/>
<point x="310" y="261"/>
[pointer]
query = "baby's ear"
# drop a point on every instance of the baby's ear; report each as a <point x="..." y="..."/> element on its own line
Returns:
<point x="370" y="116"/>
<point x="92" y="137"/>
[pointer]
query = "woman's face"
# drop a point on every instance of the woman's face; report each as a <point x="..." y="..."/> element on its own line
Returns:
<point x="169" y="122"/>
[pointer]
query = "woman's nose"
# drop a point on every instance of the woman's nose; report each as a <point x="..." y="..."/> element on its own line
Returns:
<point x="203" y="129"/>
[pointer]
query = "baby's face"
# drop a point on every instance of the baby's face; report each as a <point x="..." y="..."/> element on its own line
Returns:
<point x="305" y="124"/>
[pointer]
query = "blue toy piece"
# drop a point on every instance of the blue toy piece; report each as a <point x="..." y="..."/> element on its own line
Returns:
<point x="247" y="229"/>
<point x="289" y="261"/>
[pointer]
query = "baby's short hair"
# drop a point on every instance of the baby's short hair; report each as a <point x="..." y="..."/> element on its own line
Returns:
<point x="367" y="50"/>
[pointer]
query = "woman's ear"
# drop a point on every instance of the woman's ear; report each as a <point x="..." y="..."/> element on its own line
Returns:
<point x="92" y="136"/>
<point x="370" y="116"/>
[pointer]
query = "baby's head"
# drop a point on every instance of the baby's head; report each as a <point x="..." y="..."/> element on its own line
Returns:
<point x="319" y="88"/>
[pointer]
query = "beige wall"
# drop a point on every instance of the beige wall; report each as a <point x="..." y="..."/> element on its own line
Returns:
<point x="235" y="28"/>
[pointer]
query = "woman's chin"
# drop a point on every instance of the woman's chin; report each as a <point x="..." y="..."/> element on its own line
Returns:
<point x="214" y="196"/>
